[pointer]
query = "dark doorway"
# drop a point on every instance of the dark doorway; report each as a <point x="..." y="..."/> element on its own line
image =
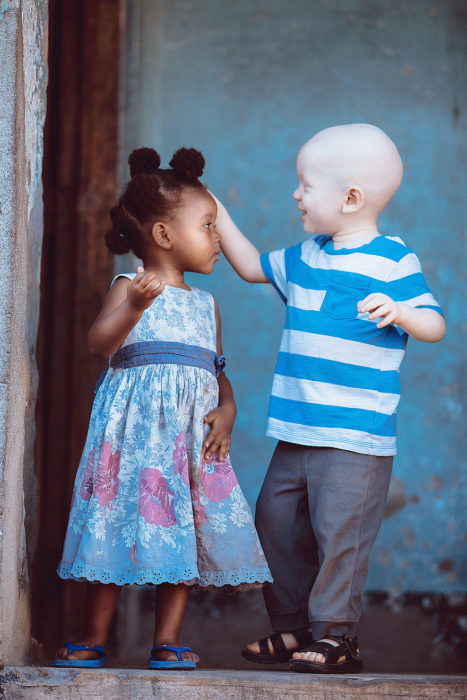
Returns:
<point x="80" y="182"/>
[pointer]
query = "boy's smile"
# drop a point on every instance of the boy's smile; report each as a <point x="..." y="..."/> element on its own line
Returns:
<point x="318" y="194"/>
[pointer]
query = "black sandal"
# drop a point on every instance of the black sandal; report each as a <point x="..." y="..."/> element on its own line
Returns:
<point x="347" y="646"/>
<point x="281" y="654"/>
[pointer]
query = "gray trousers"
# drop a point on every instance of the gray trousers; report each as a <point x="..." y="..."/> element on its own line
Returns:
<point x="317" y="515"/>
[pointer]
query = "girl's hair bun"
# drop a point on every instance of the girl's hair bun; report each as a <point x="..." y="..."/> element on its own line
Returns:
<point x="144" y="160"/>
<point x="188" y="162"/>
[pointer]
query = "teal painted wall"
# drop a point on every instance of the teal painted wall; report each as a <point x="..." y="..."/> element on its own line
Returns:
<point x="248" y="82"/>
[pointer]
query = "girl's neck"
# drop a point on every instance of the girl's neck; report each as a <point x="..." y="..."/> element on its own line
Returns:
<point x="172" y="277"/>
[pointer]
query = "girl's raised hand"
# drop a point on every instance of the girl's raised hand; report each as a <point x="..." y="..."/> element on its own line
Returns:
<point x="143" y="289"/>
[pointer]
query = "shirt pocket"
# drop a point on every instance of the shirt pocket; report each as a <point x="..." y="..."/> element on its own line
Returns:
<point x="340" y="301"/>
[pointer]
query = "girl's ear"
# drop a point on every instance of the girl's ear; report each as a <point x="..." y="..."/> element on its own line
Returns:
<point x="354" y="200"/>
<point x="160" y="235"/>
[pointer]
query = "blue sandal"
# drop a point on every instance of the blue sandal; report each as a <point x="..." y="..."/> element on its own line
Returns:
<point x="180" y="664"/>
<point x="82" y="663"/>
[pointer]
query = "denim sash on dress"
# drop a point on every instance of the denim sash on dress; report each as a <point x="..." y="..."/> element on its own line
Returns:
<point x="159" y="352"/>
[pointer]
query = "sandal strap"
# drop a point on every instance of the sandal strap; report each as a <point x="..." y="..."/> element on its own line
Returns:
<point x="83" y="647"/>
<point x="168" y="647"/>
<point x="348" y="645"/>
<point x="277" y="643"/>
<point x="264" y="646"/>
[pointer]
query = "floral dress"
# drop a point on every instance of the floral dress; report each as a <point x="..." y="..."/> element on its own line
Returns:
<point x="146" y="507"/>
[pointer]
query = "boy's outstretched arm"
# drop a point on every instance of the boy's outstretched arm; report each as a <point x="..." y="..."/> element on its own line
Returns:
<point x="423" y="324"/>
<point x="239" y="251"/>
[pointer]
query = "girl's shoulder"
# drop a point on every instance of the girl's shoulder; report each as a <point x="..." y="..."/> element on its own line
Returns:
<point x="128" y="275"/>
<point x="202" y="293"/>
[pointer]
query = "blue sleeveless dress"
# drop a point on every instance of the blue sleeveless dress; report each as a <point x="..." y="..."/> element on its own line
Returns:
<point x="146" y="507"/>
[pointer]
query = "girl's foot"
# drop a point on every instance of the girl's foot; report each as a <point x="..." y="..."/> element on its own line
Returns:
<point x="77" y="654"/>
<point x="167" y="655"/>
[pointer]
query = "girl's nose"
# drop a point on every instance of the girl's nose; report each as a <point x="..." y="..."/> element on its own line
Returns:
<point x="296" y="194"/>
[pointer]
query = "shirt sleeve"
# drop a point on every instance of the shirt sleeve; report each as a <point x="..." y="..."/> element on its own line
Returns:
<point x="407" y="284"/>
<point x="274" y="267"/>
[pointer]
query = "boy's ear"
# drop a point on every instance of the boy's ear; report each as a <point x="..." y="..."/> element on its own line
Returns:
<point x="161" y="235"/>
<point x="354" y="200"/>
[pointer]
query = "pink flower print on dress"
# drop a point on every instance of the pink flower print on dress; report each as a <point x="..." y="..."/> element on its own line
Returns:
<point x="180" y="458"/>
<point x="87" y="485"/>
<point x="199" y="511"/>
<point x="107" y="481"/>
<point x="155" y="498"/>
<point x="219" y="481"/>
<point x="133" y="553"/>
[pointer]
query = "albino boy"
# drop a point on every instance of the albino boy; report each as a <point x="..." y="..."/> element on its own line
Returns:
<point x="353" y="296"/>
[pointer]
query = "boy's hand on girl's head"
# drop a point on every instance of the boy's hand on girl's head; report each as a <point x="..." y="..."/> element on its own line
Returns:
<point x="381" y="306"/>
<point x="143" y="289"/>
<point x="218" y="439"/>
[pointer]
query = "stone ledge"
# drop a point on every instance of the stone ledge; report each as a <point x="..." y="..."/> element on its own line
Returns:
<point x="46" y="683"/>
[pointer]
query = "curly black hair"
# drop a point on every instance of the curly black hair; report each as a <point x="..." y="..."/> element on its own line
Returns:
<point x="152" y="193"/>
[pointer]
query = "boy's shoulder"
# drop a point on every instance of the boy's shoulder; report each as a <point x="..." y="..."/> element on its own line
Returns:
<point x="395" y="248"/>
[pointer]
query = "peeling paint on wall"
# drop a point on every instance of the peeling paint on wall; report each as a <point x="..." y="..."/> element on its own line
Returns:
<point x="23" y="57"/>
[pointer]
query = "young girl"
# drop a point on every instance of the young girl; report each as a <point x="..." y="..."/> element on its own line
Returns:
<point x="156" y="500"/>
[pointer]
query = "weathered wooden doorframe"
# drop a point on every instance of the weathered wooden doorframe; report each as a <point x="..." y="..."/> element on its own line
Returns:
<point x="80" y="183"/>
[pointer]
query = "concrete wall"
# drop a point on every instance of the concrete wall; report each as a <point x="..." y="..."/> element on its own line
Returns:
<point x="247" y="82"/>
<point x="23" y="57"/>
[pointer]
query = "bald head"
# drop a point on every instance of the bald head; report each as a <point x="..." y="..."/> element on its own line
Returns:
<point x="357" y="155"/>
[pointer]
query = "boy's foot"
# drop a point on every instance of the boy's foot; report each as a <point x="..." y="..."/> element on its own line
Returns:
<point x="278" y="647"/>
<point x="330" y="654"/>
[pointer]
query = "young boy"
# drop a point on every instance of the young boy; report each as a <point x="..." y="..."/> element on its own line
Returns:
<point x="353" y="296"/>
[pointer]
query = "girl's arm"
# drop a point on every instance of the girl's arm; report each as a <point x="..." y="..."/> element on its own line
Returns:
<point x="122" y="309"/>
<point x="241" y="254"/>
<point x="222" y="418"/>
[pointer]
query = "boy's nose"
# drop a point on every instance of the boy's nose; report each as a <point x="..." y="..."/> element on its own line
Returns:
<point x="296" y="194"/>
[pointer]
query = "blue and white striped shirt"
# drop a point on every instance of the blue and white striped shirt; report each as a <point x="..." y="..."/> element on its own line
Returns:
<point x="336" y="382"/>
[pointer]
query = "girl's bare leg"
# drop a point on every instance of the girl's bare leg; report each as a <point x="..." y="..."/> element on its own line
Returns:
<point x="171" y="602"/>
<point x="101" y="601"/>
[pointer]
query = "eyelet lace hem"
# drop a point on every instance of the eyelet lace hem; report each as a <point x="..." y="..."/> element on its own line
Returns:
<point x="239" y="580"/>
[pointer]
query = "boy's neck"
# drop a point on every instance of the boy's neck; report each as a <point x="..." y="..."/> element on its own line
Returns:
<point x="355" y="237"/>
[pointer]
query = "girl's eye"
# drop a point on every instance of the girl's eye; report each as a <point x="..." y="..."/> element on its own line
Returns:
<point x="208" y="225"/>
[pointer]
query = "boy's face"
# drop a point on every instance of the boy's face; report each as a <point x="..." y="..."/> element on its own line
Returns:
<point x="319" y="194"/>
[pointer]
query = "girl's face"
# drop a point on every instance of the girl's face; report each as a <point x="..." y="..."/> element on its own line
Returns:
<point x="195" y="241"/>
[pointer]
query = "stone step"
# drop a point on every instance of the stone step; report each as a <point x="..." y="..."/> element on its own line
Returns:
<point x="46" y="683"/>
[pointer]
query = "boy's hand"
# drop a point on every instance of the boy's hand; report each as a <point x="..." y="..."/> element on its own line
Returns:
<point x="381" y="306"/>
<point x="221" y="420"/>
<point x="143" y="289"/>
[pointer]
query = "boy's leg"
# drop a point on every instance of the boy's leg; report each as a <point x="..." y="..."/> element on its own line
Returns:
<point x="283" y="524"/>
<point x="347" y="494"/>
